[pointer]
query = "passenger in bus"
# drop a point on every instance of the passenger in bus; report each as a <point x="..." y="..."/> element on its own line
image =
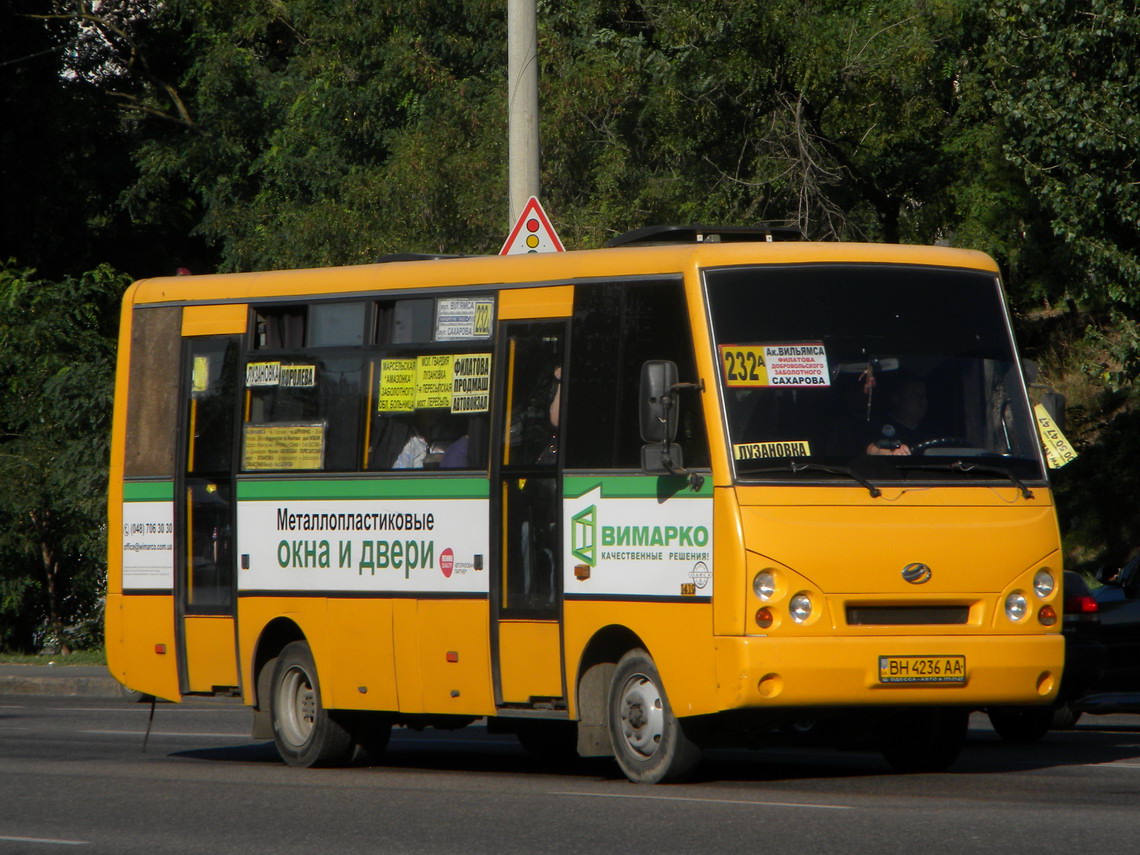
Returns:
<point x="454" y="437"/>
<point x="904" y="423"/>
<point x="455" y="457"/>
<point x="549" y="453"/>
<point x="423" y="448"/>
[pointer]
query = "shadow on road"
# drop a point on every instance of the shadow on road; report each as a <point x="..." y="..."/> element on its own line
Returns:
<point x="785" y="760"/>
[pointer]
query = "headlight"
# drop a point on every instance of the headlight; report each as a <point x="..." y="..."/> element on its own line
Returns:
<point x="800" y="607"/>
<point x="764" y="584"/>
<point x="1016" y="606"/>
<point x="1043" y="583"/>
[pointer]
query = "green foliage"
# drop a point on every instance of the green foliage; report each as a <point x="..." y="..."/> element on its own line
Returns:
<point x="1068" y="91"/>
<point x="65" y="151"/>
<point x="819" y="114"/>
<point x="306" y="140"/>
<point x="332" y="131"/>
<point x="57" y="339"/>
<point x="1062" y="80"/>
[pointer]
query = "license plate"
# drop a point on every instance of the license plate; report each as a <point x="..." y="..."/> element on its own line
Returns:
<point x="922" y="669"/>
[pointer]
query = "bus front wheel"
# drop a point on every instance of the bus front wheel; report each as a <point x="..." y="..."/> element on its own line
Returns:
<point x="306" y="734"/>
<point x="1021" y="724"/>
<point x="649" y="742"/>
<point x="924" y="740"/>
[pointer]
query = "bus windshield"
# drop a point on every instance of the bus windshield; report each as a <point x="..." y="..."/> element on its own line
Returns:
<point x="875" y="372"/>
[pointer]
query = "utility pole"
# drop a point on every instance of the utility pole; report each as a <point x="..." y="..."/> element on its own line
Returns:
<point x="522" y="94"/>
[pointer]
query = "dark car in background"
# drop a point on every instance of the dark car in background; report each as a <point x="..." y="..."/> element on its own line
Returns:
<point x="1118" y="604"/>
<point x="1085" y="663"/>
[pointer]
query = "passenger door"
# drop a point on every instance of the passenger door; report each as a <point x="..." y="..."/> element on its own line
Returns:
<point x="205" y="563"/>
<point x="526" y="591"/>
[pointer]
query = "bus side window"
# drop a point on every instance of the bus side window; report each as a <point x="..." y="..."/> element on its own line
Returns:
<point x="404" y="321"/>
<point x="616" y="328"/>
<point x="319" y="398"/>
<point x="280" y="328"/>
<point x="152" y="402"/>
<point x="428" y="411"/>
<point x="211" y="406"/>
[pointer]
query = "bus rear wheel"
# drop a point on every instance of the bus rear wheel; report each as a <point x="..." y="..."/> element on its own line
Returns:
<point x="305" y="733"/>
<point x="649" y="742"/>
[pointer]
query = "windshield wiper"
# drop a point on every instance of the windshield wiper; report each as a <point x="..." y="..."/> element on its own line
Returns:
<point x="793" y="466"/>
<point x="964" y="467"/>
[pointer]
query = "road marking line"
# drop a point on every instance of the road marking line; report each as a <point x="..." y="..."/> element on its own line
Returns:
<point x="709" y="801"/>
<point x="240" y="736"/>
<point x="145" y="708"/>
<point x="47" y="840"/>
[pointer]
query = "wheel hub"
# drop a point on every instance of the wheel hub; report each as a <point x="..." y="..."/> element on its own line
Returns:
<point x="642" y="715"/>
<point x="298" y="707"/>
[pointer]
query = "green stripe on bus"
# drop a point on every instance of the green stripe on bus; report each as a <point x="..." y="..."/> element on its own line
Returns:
<point x="148" y="491"/>
<point x="635" y="487"/>
<point x="379" y="488"/>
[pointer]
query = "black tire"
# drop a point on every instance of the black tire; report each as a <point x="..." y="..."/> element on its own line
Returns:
<point x="306" y="734"/>
<point x="1022" y="725"/>
<point x="924" y="740"/>
<point x="649" y="742"/>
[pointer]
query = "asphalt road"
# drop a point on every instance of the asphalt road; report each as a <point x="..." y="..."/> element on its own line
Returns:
<point x="74" y="776"/>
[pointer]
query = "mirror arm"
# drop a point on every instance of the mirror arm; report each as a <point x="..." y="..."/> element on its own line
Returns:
<point x="696" y="480"/>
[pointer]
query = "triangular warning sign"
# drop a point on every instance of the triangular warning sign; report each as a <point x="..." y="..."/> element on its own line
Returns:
<point x="532" y="232"/>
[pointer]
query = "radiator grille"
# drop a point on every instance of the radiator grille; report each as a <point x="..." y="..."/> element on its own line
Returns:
<point x="907" y="615"/>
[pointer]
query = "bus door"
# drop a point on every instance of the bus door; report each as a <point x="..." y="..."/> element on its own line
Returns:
<point x="526" y="589"/>
<point x="204" y="557"/>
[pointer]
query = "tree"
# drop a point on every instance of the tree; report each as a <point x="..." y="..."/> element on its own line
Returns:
<point x="1066" y="87"/>
<point x="1062" y="83"/>
<point x="57" y="341"/>
<point x="837" y="117"/>
<point x="322" y="131"/>
<point x="66" y="152"/>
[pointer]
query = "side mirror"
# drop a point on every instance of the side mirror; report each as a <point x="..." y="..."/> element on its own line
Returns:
<point x="656" y="401"/>
<point x="662" y="459"/>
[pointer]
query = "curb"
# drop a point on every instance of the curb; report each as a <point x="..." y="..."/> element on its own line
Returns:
<point x="91" y="681"/>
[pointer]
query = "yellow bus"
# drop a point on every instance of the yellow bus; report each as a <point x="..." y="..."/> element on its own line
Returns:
<point x="689" y="489"/>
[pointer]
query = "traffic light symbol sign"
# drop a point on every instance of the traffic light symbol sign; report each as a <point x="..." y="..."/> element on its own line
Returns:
<point x="532" y="232"/>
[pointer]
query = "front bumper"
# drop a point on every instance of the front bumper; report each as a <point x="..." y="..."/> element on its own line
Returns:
<point x="775" y="673"/>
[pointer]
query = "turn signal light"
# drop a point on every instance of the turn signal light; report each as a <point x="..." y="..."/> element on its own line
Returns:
<point x="764" y="618"/>
<point x="1047" y="616"/>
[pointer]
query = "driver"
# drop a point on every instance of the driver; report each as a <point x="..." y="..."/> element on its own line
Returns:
<point x="906" y="409"/>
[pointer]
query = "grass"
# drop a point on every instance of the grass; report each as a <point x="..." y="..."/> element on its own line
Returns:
<point x="79" y="657"/>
